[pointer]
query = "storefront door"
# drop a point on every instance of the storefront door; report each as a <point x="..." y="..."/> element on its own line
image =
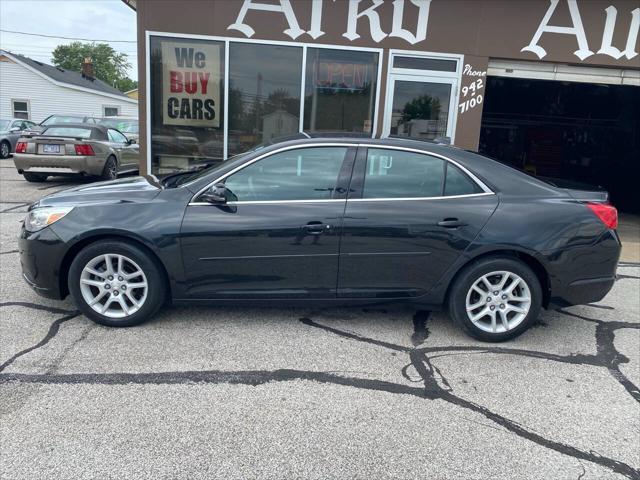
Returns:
<point x="420" y="106"/>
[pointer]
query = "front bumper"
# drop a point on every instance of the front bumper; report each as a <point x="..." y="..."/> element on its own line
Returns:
<point x="41" y="255"/>
<point x="58" y="164"/>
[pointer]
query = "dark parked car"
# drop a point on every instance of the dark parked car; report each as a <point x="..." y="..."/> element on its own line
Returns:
<point x="328" y="221"/>
<point x="10" y="130"/>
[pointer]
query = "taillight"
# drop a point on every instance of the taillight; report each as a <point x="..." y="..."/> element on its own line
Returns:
<point x="21" y="147"/>
<point x="606" y="212"/>
<point x="84" y="149"/>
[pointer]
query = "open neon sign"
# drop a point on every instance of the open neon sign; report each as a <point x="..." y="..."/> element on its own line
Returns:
<point x="342" y="75"/>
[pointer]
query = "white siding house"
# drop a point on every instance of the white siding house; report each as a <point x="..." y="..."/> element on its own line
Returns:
<point x="35" y="90"/>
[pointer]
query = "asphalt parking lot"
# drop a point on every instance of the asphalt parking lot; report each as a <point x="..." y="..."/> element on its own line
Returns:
<point x="310" y="393"/>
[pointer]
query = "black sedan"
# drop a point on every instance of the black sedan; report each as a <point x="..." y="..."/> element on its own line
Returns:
<point x="328" y="221"/>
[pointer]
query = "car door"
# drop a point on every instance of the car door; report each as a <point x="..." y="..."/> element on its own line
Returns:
<point x="278" y="234"/>
<point x="128" y="155"/>
<point x="409" y="217"/>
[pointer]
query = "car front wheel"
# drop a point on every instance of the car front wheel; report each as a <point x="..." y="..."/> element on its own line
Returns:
<point x="496" y="299"/>
<point x="116" y="283"/>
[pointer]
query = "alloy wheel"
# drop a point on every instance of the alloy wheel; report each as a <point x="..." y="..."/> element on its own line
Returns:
<point x="498" y="301"/>
<point x="4" y="150"/>
<point x="113" y="285"/>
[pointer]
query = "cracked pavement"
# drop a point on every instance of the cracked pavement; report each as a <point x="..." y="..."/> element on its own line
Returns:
<point x="384" y="392"/>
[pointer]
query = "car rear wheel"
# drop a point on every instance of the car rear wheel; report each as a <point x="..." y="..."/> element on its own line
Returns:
<point x="35" y="177"/>
<point x="496" y="299"/>
<point x="116" y="283"/>
<point x="5" y="149"/>
<point x="110" y="170"/>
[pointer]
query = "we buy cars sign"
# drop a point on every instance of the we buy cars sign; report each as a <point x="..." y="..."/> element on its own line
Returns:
<point x="191" y="84"/>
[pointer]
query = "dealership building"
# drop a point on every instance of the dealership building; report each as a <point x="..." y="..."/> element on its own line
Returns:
<point x="549" y="86"/>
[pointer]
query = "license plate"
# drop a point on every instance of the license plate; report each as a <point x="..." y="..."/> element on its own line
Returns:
<point x="51" y="148"/>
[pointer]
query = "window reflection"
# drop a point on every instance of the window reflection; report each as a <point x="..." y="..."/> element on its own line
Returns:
<point x="340" y="90"/>
<point x="302" y="174"/>
<point x="420" y="109"/>
<point x="187" y="92"/>
<point x="264" y="94"/>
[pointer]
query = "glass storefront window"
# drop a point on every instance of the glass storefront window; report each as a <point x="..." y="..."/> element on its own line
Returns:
<point x="340" y="90"/>
<point x="264" y="94"/>
<point x="187" y="98"/>
<point x="420" y="109"/>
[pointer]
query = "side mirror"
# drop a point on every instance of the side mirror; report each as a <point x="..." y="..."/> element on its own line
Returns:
<point x="132" y="141"/>
<point x="15" y="129"/>
<point x="216" y="195"/>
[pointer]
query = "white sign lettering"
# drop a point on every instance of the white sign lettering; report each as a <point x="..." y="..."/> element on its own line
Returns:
<point x="577" y="29"/>
<point x="353" y="16"/>
<point x="423" y="20"/>
<point x="294" y="30"/>
<point x="374" y="20"/>
<point x="607" y="47"/>
<point x="472" y="89"/>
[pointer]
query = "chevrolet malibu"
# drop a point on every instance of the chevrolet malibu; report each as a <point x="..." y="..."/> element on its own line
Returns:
<point x="325" y="222"/>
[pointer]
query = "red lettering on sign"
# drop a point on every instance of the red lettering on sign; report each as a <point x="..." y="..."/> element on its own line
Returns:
<point x="176" y="81"/>
<point x="204" y="82"/>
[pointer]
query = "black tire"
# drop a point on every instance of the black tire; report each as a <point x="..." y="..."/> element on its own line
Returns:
<point x="472" y="273"/>
<point x="110" y="170"/>
<point x="156" y="292"/>
<point x="35" y="177"/>
<point x="5" y="149"/>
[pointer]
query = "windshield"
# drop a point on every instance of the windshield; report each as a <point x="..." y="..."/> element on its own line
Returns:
<point x="4" y="124"/>
<point x="62" y="119"/>
<point x="75" y="132"/>
<point x="125" y="126"/>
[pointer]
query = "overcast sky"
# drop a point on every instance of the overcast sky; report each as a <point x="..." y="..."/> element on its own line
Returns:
<point x="93" y="19"/>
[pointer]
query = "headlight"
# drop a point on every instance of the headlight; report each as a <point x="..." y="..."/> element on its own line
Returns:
<point x="38" y="218"/>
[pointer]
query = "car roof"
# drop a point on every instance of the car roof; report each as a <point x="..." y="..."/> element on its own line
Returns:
<point x="497" y="176"/>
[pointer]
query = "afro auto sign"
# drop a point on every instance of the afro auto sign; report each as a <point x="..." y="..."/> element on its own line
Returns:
<point x="361" y="14"/>
<point x="191" y="84"/>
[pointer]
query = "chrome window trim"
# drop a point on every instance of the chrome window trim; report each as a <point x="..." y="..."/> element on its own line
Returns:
<point x="407" y="199"/>
<point x="486" y="190"/>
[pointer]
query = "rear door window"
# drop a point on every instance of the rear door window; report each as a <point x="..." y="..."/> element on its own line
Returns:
<point x="459" y="183"/>
<point x="401" y="174"/>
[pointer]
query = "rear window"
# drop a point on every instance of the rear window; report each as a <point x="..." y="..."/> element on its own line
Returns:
<point x="74" y="132"/>
<point x="62" y="119"/>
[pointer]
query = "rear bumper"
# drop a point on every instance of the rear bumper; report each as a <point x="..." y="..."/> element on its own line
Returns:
<point x="41" y="256"/>
<point x="584" y="274"/>
<point x="28" y="162"/>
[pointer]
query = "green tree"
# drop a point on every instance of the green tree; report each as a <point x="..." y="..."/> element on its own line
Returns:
<point x="108" y="65"/>
<point x="424" y="107"/>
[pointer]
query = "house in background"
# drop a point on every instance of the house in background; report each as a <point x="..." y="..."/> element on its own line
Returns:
<point x="34" y="90"/>
<point x="132" y="93"/>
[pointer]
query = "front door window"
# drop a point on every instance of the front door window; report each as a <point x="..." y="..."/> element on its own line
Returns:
<point x="300" y="174"/>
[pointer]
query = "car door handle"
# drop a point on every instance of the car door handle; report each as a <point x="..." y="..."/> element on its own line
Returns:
<point x="316" y="228"/>
<point x="451" y="223"/>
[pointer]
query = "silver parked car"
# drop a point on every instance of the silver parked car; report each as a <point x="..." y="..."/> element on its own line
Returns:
<point x="83" y="149"/>
<point x="11" y="129"/>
